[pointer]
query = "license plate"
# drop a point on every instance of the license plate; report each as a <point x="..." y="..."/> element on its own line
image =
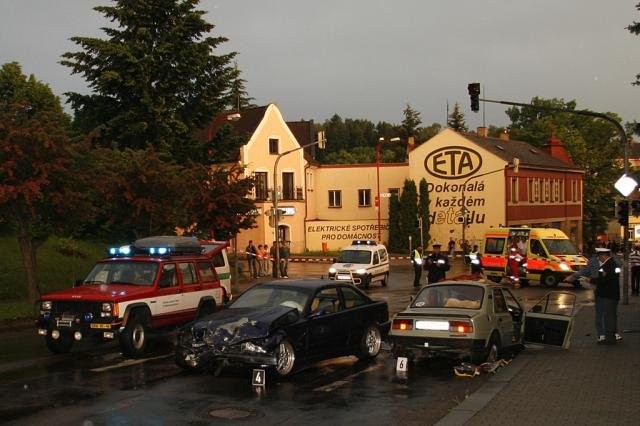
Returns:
<point x="63" y="323"/>
<point x="432" y="325"/>
<point x="344" y="277"/>
<point x="105" y="326"/>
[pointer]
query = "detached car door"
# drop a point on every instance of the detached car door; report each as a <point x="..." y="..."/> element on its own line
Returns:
<point x="550" y="321"/>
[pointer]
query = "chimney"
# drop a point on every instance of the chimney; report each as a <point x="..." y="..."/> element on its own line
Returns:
<point x="483" y="132"/>
<point x="555" y="148"/>
<point x="504" y="135"/>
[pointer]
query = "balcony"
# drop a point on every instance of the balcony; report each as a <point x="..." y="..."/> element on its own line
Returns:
<point x="262" y="194"/>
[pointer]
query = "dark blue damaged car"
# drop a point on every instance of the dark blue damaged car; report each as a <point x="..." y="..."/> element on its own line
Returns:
<point x="286" y="326"/>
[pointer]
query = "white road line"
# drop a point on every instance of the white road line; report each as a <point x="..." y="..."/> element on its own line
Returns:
<point x="335" y="385"/>
<point x="127" y="363"/>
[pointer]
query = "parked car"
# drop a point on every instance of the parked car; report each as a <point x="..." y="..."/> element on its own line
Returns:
<point x="155" y="282"/>
<point x="286" y="326"/>
<point x="478" y="321"/>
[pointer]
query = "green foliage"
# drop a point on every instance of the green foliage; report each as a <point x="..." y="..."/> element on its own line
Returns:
<point x="155" y="79"/>
<point x="55" y="270"/>
<point x="239" y="97"/>
<point x="395" y="243"/>
<point x="410" y="123"/>
<point x="592" y="144"/>
<point x="409" y="215"/>
<point x="456" y="119"/>
<point x="423" y="210"/>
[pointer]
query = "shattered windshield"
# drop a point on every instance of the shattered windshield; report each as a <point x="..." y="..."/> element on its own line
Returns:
<point x="560" y="247"/>
<point x="450" y="296"/>
<point x="355" y="256"/>
<point x="122" y="272"/>
<point x="259" y="296"/>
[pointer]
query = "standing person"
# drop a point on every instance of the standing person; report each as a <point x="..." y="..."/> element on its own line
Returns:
<point x="605" y="275"/>
<point x="272" y="254"/>
<point x="262" y="254"/>
<point x="284" y="253"/>
<point x="452" y="247"/>
<point x="436" y="264"/>
<point x="634" y="264"/>
<point x="251" y="259"/>
<point x="416" y="261"/>
<point x="267" y="260"/>
<point x="476" y="261"/>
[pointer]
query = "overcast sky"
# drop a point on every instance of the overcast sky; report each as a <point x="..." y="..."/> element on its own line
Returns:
<point x="370" y="58"/>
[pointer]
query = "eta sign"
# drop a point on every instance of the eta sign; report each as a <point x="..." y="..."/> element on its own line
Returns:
<point x="453" y="162"/>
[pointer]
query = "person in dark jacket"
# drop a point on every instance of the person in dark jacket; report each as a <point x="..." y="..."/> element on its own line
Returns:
<point x="436" y="264"/>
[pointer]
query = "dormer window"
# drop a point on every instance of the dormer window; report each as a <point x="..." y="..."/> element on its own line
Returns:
<point x="273" y="146"/>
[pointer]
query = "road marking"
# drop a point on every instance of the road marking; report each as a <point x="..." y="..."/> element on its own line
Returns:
<point x="335" y="385"/>
<point x="127" y="363"/>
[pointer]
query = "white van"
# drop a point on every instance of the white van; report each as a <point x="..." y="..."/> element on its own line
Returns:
<point x="363" y="262"/>
<point x="218" y="251"/>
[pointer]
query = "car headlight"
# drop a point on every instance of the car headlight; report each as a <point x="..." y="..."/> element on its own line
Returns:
<point x="332" y="270"/>
<point x="565" y="267"/>
<point x="361" y="271"/>
<point x="46" y="305"/>
<point x="252" y="347"/>
<point x="106" y="307"/>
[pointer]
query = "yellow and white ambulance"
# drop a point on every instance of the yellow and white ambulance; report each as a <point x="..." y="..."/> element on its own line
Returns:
<point x="549" y="255"/>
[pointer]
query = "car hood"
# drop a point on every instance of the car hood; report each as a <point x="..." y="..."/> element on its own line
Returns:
<point x="101" y="292"/>
<point x="232" y="326"/>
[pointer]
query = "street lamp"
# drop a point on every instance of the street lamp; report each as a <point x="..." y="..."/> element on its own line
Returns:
<point x="515" y="165"/>
<point x="378" y="203"/>
<point x="321" y="143"/>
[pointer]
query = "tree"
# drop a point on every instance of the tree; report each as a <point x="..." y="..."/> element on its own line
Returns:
<point x="155" y="79"/>
<point x="634" y="28"/>
<point x="456" y="119"/>
<point x="423" y="209"/>
<point x="395" y="230"/>
<point x="592" y="144"/>
<point x="410" y="123"/>
<point x="239" y="97"/>
<point x="409" y="214"/>
<point x="37" y="194"/>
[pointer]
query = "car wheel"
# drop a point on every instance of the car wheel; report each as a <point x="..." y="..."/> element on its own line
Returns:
<point x="134" y="337"/>
<point x="370" y="343"/>
<point x="385" y="280"/>
<point x="365" y="281"/>
<point x="62" y="344"/>
<point x="490" y="353"/>
<point x="549" y="279"/>
<point x="207" y="308"/>
<point x="285" y="358"/>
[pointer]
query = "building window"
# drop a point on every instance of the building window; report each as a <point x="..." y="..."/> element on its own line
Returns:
<point x="273" y="146"/>
<point x="546" y="191"/>
<point x="395" y="192"/>
<point x="574" y="190"/>
<point x="514" y="190"/>
<point x="562" y="191"/>
<point x="335" y="198"/>
<point x="364" y="198"/>
<point x="261" y="187"/>
<point x="530" y="190"/>
<point x="288" y="190"/>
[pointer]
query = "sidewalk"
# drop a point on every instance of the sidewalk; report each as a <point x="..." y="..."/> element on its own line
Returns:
<point x="588" y="384"/>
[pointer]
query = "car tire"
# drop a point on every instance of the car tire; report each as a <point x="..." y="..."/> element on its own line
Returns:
<point x="385" y="280"/>
<point x="133" y="339"/>
<point x="370" y="342"/>
<point x="285" y="358"/>
<point x="549" y="279"/>
<point x="206" y="308"/>
<point x="490" y="353"/>
<point x="62" y="344"/>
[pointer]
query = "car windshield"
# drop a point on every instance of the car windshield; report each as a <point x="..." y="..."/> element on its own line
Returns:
<point x="355" y="256"/>
<point x="561" y="247"/>
<point x="122" y="272"/>
<point x="450" y="296"/>
<point x="259" y="296"/>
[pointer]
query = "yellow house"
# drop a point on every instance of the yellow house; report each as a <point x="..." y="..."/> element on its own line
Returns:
<point x="474" y="182"/>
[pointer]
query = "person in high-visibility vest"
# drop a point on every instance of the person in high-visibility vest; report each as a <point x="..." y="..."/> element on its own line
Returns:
<point x="416" y="261"/>
<point x="474" y="259"/>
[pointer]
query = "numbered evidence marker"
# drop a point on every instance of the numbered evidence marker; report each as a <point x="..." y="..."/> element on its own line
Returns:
<point x="401" y="364"/>
<point x="258" y="377"/>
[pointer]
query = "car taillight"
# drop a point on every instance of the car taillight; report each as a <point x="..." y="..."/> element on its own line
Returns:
<point x="402" y="324"/>
<point x="460" y="327"/>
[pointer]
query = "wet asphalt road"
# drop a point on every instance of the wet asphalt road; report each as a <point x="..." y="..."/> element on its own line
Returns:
<point x="95" y="385"/>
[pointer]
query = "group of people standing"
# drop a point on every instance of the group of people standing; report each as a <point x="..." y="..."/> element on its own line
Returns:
<point x="436" y="264"/>
<point x="261" y="260"/>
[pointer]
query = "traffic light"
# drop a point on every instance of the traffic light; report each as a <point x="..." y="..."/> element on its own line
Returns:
<point x="622" y="211"/>
<point x="474" y="94"/>
<point x="635" y="208"/>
